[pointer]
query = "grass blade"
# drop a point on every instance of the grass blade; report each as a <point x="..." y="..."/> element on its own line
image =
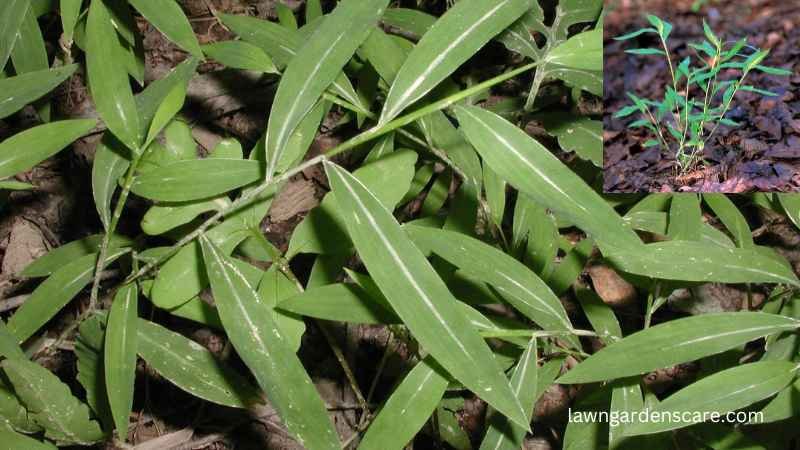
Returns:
<point x="531" y="168"/>
<point x="454" y="38"/>
<point x="418" y="295"/>
<point x="408" y="408"/>
<point x="54" y="293"/>
<point x="196" y="179"/>
<point x="12" y="14"/>
<point x="120" y="356"/>
<point x="28" y="148"/>
<point x="22" y="89"/>
<point x="675" y="342"/>
<point x="108" y="81"/>
<point x="254" y="333"/>
<point x="316" y="65"/>
<point x="168" y="18"/>
<point x="192" y="367"/>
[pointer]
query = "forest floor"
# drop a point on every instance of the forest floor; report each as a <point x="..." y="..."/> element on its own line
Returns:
<point x="762" y="154"/>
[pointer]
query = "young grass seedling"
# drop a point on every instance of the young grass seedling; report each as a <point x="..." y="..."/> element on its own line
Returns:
<point x="691" y="109"/>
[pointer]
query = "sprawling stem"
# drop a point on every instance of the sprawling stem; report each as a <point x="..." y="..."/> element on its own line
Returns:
<point x="354" y="142"/>
<point x="674" y="80"/>
<point x="112" y="226"/>
<point x="737" y="85"/>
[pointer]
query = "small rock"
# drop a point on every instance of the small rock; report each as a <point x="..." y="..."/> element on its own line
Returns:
<point x="25" y="243"/>
<point x="611" y="287"/>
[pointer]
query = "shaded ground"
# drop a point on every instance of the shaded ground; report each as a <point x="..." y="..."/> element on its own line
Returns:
<point x="763" y="154"/>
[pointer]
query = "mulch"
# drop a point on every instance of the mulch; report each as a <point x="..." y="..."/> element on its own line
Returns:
<point x="763" y="154"/>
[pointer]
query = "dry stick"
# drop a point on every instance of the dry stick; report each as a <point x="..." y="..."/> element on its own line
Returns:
<point x="366" y="136"/>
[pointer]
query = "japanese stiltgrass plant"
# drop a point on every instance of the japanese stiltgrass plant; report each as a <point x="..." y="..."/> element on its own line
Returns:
<point x="701" y="92"/>
<point x="451" y="230"/>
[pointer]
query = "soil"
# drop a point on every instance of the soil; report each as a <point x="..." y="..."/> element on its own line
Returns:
<point x="762" y="154"/>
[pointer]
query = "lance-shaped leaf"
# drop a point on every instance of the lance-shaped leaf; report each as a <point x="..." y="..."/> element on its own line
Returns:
<point x="719" y="393"/>
<point x="64" y="418"/>
<point x="108" y="80"/>
<point x="12" y="14"/>
<point x="168" y="18"/>
<point x="24" y="150"/>
<point x="22" y="89"/>
<point x="192" y="367"/>
<point x="240" y="55"/>
<point x="408" y="408"/>
<point x="454" y="38"/>
<point x="703" y="261"/>
<point x="89" y="344"/>
<point x="257" y="338"/>
<point x="480" y="261"/>
<point x="54" y="293"/>
<point x="677" y="341"/>
<point x="120" y="355"/>
<point x="419" y="296"/>
<point x="685" y="218"/>
<point x="731" y="217"/>
<point x="18" y="440"/>
<point x="65" y="254"/>
<point x="196" y="179"/>
<point x="532" y="169"/>
<point x="503" y="434"/>
<point x="582" y="51"/>
<point x="316" y="65"/>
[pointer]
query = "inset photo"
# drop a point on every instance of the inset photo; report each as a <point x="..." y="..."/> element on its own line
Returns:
<point x="701" y="96"/>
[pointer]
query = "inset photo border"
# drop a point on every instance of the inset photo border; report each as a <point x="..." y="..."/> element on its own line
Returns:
<point x="701" y="96"/>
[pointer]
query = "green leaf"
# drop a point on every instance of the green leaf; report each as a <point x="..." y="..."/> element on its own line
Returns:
<point x="108" y="81"/>
<point x="91" y="368"/>
<point x="12" y="14"/>
<point x="626" y="111"/>
<point x="313" y="10"/>
<point x="273" y="287"/>
<point x="240" y="55"/>
<point x="783" y="406"/>
<point x="600" y="315"/>
<point x="495" y="190"/>
<point x="418" y="295"/>
<point x="675" y="342"/>
<point x="110" y="163"/>
<point x="163" y="217"/>
<point x="791" y="205"/>
<point x="168" y="18"/>
<point x="582" y="51"/>
<point x="720" y="393"/>
<point x="731" y="217"/>
<point x="412" y="21"/>
<point x="70" y="11"/>
<point x="773" y="70"/>
<point x="9" y="348"/>
<point x="636" y="33"/>
<point x="515" y="282"/>
<point x="316" y="65"/>
<point x="581" y="135"/>
<point x="501" y="433"/>
<point x="197" y="179"/>
<point x="532" y="169"/>
<point x="28" y="148"/>
<point x="286" y="16"/>
<point x="408" y="408"/>
<point x="454" y="38"/>
<point x="710" y="35"/>
<point x="685" y="217"/>
<point x="17" y="440"/>
<point x="120" y="355"/>
<point x="262" y="345"/>
<point x="30" y="55"/>
<point x="756" y="90"/>
<point x="23" y="89"/>
<point x="169" y="107"/>
<point x="645" y="51"/>
<point x="192" y="367"/>
<point x="54" y="293"/>
<point x="323" y="229"/>
<point x="701" y="261"/>
<point x="65" y="254"/>
<point x="342" y="303"/>
<point x="64" y="418"/>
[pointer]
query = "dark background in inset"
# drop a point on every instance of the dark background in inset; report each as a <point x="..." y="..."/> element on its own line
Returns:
<point x="763" y="154"/>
